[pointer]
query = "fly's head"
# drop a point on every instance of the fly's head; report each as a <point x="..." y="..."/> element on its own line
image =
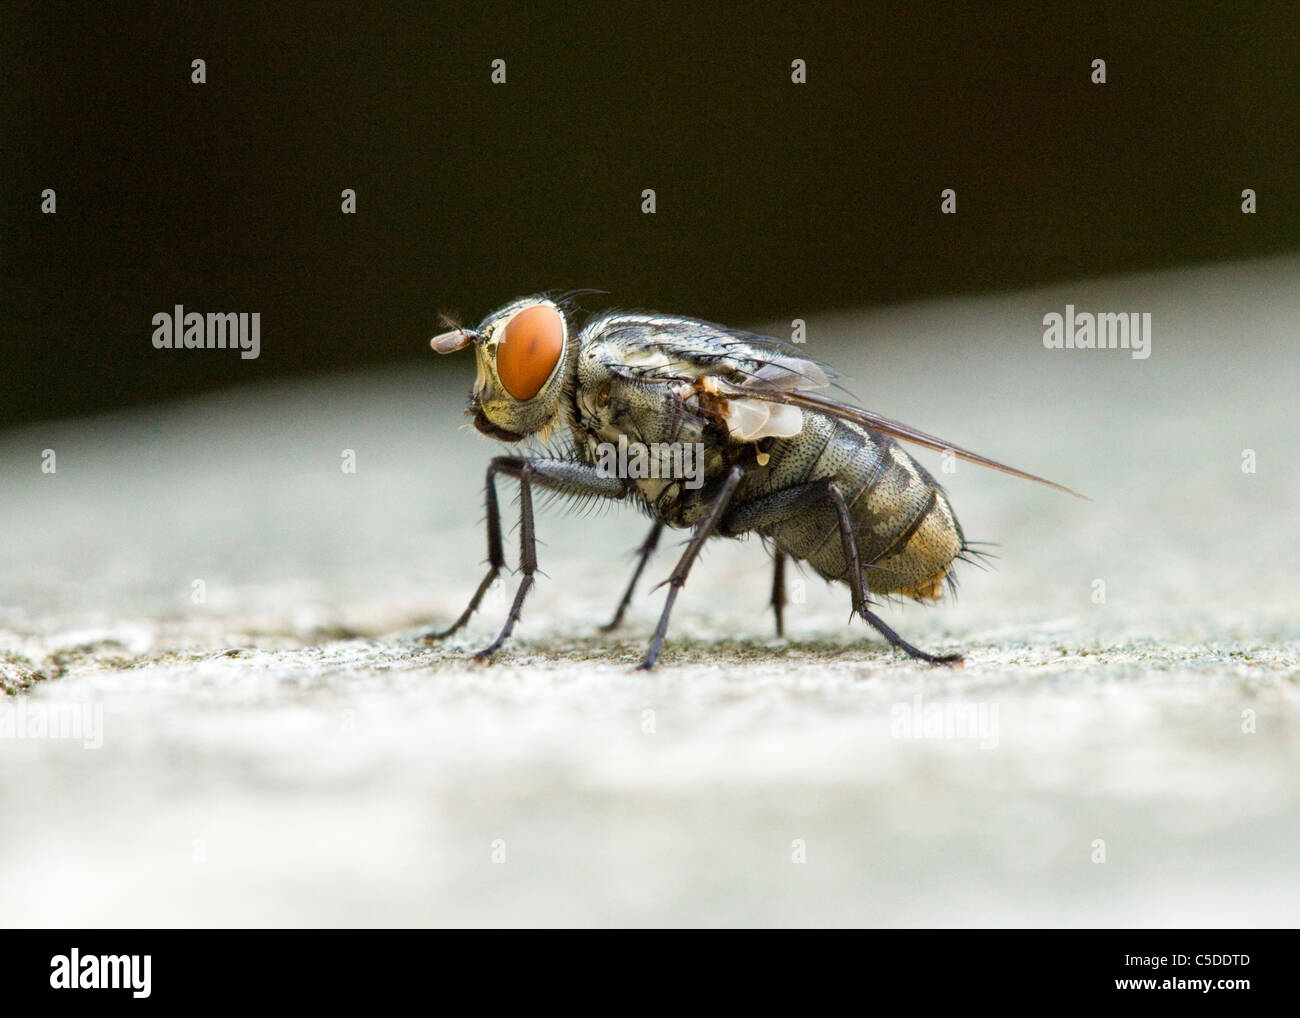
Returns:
<point x="521" y="351"/>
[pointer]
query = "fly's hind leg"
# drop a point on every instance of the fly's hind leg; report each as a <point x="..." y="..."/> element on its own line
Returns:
<point x="779" y="505"/>
<point x="647" y="549"/>
<point x="860" y="602"/>
<point x="897" y="641"/>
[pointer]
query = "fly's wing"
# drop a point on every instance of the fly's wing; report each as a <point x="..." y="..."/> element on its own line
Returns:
<point x="873" y="421"/>
<point x="701" y="358"/>
<point x="665" y="348"/>
<point x="765" y="381"/>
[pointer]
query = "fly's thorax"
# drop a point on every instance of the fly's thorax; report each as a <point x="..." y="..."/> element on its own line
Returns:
<point x="611" y="404"/>
<point x="645" y="430"/>
<point x="524" y="356"/>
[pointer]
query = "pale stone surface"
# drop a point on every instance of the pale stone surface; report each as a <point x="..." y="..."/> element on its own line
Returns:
<point x="288" y="753"/>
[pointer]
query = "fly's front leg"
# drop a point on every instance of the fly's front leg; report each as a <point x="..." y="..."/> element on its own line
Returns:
<point x="496" y="559"/>
<point x="565" y="476"/>
<point x="645" y="551"/>
<point x="703" y="531"/>
<point x="527" y="558"/>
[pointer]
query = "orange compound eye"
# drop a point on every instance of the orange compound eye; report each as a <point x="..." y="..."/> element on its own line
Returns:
<point x="530" y="349"/>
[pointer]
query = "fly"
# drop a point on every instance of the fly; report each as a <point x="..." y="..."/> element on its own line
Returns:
<point x="822" y="481"/>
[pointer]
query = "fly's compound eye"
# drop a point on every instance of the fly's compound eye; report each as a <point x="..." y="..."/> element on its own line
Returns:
<point x="529" y="350"/>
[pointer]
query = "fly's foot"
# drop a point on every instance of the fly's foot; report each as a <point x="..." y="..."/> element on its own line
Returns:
<point x="956" y="660"/>
<point x="898" y="643"/>
<point x="947" y="660"/>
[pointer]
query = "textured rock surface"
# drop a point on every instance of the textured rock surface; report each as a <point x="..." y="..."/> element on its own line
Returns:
<point x="286" y="752"/>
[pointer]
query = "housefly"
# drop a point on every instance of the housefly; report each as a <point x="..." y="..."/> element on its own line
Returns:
<point x="733" y="435"/>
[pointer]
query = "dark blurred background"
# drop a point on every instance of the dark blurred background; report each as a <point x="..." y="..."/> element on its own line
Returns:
<point x="774" y="200"/>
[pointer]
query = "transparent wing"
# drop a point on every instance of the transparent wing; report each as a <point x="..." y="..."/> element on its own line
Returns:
<point x="750" y="368"/>
<point x="904" y="432"/>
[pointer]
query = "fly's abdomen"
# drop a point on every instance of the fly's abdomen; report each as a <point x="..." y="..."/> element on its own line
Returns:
<point x="904" y="527"/>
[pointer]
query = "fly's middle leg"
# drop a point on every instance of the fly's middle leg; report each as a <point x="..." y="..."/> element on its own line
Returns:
<point x="778" y="590"/>
<point x="647" y="549"/>
<point x="703" y="531"/>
